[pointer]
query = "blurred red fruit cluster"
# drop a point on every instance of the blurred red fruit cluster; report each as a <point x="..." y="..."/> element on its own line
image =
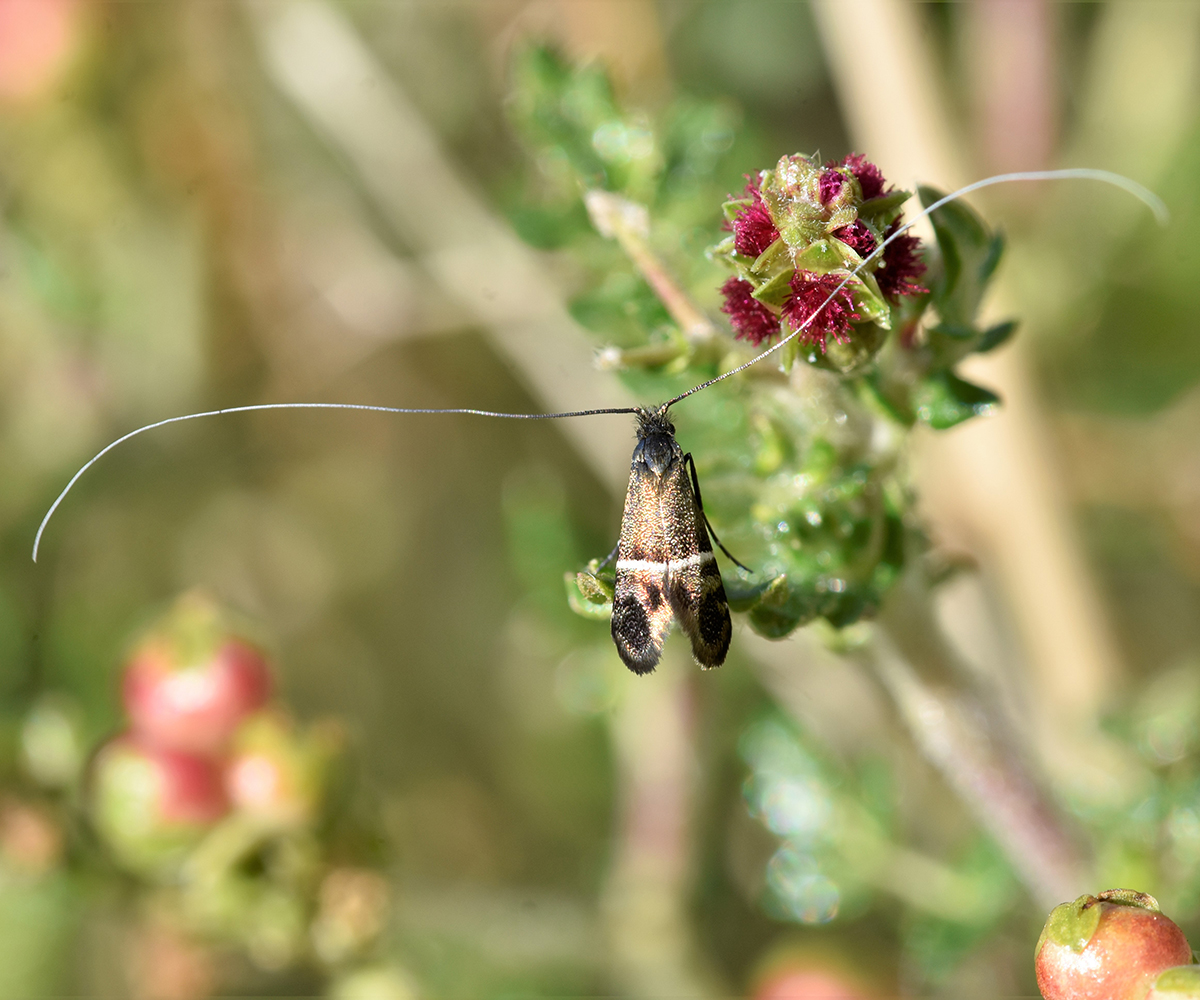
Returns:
<point x="1114" y="946"/>
<point x="201" y="742"/>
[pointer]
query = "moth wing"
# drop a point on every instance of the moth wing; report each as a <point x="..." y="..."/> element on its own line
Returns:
<point x="694" y="588"/>
<point x="641" y="611"/>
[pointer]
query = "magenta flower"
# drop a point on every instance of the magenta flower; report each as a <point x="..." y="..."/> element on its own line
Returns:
<point x="753" y="230"/>
<point x="830" y="185"/>
<point x="809" y="292"/>
<point x="857" y="237"/>
<point x="869" y="178"/>
<point x="901" y="261"/>
<point x="753" y="321"/>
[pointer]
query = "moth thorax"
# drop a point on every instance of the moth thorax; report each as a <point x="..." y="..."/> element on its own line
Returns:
<point x="656" y="452"/>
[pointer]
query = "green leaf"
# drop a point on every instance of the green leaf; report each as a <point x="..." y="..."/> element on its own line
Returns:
<point x="590" y="604"/>
<point x="776" y="291"/>
<point x="955" y="331"/>
<point x="944" y="400"/>
<point x="884" y="207"/>
<point x="996" y="335"/>
<point x="742" y="596"/>
<point x="969" y="253"/>
<point x="779" y="611"/>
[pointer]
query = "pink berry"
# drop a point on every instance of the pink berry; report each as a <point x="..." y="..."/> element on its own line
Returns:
<point x="190" y="684"/>
<point x="1107" y="947"/>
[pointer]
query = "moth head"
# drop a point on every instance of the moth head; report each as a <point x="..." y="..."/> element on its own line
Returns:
<point x="654" y="421"/>
<point x="656" y="446"/>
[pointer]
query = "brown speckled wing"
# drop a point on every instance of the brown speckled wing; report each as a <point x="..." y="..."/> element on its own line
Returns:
<point x="694" y="587"/>
<point x="641" y="612"/>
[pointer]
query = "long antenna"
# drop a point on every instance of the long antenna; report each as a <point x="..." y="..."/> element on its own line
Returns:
<point x="37" y="541"/>
<point x="1143" y="194"/>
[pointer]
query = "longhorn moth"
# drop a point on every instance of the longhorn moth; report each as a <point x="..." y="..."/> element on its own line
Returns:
<point x="665" y="566"/>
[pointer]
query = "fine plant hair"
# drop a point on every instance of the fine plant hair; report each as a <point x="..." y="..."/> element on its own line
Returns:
<point x="1143" y="194"/>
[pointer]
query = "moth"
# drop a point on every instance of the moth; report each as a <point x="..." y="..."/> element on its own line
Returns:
<point x="665" y="564"/>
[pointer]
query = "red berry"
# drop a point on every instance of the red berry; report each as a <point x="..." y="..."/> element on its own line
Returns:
<point x="151" y="803"/>
<point x="1107" y="947"/>
<point x="191" y="683"/>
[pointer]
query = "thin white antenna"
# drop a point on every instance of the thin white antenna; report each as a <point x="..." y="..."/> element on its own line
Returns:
<point x="37" y="541"/>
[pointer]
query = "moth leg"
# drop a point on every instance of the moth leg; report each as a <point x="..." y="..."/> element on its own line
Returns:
<point x="609" y="558"/>
<point x="691" y="464"/>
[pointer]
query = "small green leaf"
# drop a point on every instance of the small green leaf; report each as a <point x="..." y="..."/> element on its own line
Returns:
<point x="594" y="588"/>
<point x="944" y="400"/>
<point x="776" y="256"/>
<point x="1182" y="979"/>
<point x="884" y="207"/>
<point x="586" y="596"/>
<point x="996" y="335"/>
<point x="776" y="291"/>
<point x="970" y="253"/>
<point x="955" y="331"/>
<point x="855" y="354"/>
<point x="869" y="303"/>
<point x="1071" y="924"/>
<point x="819" y="256"/>
<point x="741" y="595"/>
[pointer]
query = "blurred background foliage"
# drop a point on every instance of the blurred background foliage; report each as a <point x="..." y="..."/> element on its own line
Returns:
<point x="212" y="203"/>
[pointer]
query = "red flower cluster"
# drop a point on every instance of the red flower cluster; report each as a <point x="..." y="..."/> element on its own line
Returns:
<point x="808" y="302"/>
<point x="753" y="230"/>
<point x="901" y="261"/>
<point x="752" y="321"/>
<point x="806" y="308"/>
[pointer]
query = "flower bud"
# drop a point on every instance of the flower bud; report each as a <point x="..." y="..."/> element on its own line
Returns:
<point x="52" y="748"/>
<point x="191" y="682"/>
<point x="1107" y="947"/>
<point x="31" y="841"/>
<point x="375" y="982"/>
<point x="276" y="774"/>
<point x="353" y="906"/>
<point x="151" y="804"/>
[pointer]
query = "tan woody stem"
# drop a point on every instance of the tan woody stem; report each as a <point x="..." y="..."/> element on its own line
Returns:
<point x="629" y="224"/>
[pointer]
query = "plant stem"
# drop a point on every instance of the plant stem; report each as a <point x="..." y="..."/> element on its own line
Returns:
<point x="966" y="741"/>
<point x="644" y="907"/>
<point x="629" y="224"/>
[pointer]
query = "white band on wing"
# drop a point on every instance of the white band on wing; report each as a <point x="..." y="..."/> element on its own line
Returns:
<point x="633" y="565"/>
